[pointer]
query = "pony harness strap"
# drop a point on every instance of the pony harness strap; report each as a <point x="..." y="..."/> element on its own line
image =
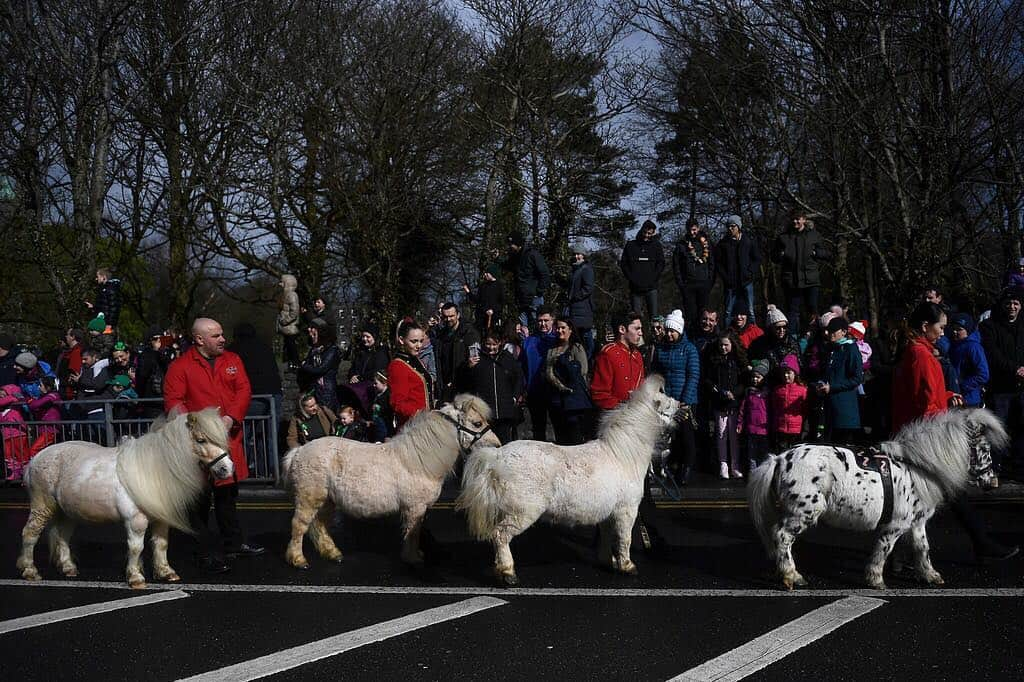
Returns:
<point x="873" y="459"/>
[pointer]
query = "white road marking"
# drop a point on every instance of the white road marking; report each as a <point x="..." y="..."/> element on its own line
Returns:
<point x="782" y="641"/>
<point x="87" y="610"/>
<point x="929" y="592"/>
<point x="314" y="651"/>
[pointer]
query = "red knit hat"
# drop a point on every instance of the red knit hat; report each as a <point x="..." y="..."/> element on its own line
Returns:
<point x="858" y="329"/>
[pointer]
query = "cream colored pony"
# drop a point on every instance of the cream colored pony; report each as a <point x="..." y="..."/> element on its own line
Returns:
<point x="367" y="480"/>
<point x="506" y="490"/>
<point x="152" y="479"/>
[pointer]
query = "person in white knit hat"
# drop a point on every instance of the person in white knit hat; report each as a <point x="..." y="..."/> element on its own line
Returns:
<point x="776" y="343"/>
<point x="677" y="359"/>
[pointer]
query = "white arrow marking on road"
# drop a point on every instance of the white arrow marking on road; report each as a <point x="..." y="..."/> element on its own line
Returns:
<point x="87" y="610"/>
<point x="324" y="648"/>
<point x="780" y="642"/>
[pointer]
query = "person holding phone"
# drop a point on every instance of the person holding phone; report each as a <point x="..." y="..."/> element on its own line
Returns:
<point x="454" y="345"/>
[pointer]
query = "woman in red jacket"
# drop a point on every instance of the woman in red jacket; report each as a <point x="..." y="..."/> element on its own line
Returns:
<point x="409" y="383"/>
<point x="919" y="390"/>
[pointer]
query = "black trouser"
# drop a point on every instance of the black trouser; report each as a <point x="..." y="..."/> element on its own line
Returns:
<point x="638" y="299"/>
<point x="538" y="407"/>
<point x="965" y="513"/>
<point x="291" y="348"/>
<point x="799" y="299"/>
<point x="505" y="430"/>
<point x="231" y="537"/>
<point x="683" y="450"/>
<point x="570" y="426"/>
<point x="695" y="299"/>
<point x="757" y="448"/>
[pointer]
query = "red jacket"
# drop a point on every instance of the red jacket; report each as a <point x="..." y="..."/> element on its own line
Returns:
<point x="788" y="404"/>
<point x="191" y="385"/>
<point x="918" y="387"/>
<point x="618" y="370"/>
<point x="410" y="390"/>
<point x="749" y="334"/>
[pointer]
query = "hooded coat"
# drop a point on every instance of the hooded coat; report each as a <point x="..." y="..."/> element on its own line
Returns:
<point x="642" y="263"/>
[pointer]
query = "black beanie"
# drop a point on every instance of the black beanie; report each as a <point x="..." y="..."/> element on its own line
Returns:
<point x="517" y="238"/>
<point x="6" y="341"/>
<point x="371" y="328"/>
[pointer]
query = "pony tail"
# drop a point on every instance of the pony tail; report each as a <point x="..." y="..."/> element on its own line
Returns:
<point x="762" y="506"/>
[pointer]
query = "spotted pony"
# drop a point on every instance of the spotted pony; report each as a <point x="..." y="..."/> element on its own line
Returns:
<point x="931" y="460"/>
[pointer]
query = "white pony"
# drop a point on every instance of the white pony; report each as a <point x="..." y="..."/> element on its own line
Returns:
<point x="152" y="479"/>
<point x="931" y="460"/>
<point x="505" y="490"/>
<point x="367" y="480"/>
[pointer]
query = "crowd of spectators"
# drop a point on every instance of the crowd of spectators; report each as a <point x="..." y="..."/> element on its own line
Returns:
<point x="747" y="389"/>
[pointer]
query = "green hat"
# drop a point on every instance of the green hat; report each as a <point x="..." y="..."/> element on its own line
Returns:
<point x="759" y="367"/>
<point x="98" y="324"/>
<point x="121" y="380"/>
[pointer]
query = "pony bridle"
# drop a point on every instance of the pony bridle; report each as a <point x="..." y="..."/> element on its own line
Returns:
<point x="462" y="428"/>
<point x="212" y="463"/>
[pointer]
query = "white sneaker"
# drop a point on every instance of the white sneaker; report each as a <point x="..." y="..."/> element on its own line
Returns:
<point x="737" y="473"/>
<point x="723" y="471"/>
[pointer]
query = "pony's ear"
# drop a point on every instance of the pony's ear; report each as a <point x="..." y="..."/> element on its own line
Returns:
<point x="190" y="419"/>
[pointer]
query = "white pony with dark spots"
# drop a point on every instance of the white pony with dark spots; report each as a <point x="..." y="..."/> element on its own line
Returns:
<point x="506" y="490"/>
<point x="932" y="460"/>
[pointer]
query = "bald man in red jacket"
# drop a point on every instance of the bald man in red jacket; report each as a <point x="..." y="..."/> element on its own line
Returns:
<point x="207" y="375"/>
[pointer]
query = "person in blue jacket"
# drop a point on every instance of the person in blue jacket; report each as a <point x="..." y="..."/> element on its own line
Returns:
<point x="967" y="356"/>
<point x="677" y="359"/>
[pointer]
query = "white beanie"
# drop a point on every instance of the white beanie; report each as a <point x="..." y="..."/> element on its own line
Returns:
<point x="826" y="318"/>
<point x="675" y="321"/>
<point x="775" y="316"/>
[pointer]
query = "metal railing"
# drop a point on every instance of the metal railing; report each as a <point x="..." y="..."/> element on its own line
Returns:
<point x="106" y="422"/>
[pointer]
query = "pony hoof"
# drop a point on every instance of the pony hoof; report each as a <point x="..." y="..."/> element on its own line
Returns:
<point x="32" y="575"/>
<point x="509" y="579"/>
<point x="71" y="573"/>
<point x="137" y="584"/>
<point x="171" y="577"/>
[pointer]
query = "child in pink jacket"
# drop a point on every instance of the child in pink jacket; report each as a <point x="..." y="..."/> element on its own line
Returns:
<point x="45" y="408"/>
<point x="788" y="405"/>
<point x="753" y="417"/>
<point x="12" y="425"/>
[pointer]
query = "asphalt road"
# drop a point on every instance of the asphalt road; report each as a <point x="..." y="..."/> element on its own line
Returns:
<point x="706" y="598"/>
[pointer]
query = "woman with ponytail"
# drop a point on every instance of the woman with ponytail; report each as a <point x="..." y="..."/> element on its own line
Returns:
<point x="918" y="387"/>
<point x="919" y="390"/>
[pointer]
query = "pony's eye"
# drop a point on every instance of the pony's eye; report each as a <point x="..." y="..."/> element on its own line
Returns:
<point x="200" y="440"/>
<point x="478" y="424"/>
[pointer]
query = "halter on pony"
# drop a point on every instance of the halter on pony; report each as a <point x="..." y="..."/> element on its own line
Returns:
<point x="462" y="428"/>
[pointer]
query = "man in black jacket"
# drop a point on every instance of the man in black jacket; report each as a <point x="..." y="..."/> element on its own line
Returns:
<point x="737" y="260"/>
<point x="1002" y="337"/>
<point x="642" y="263"/>
<point x="531" y="277"/>
<point x="693" y="264"/>
<point x="798" y="251"/>
<point x="488" y="300"/>
<point x="456" y="343"/>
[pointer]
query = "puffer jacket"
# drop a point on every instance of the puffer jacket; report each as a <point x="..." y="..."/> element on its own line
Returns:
<point x="288" y="317"/>
<point x="753" y="417"/>
<point x="689" y="264"/>
<point x="679" y="363"/>
<point x="799" y="253"/>
<point x="969" y="361"/>
<point x="787" y="406"/>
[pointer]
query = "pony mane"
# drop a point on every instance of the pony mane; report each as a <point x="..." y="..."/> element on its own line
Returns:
<point x="160" y="471"/>
<point x="939" y="447"/>
<point x="427" y="444"/>
<point x="467" y="402"/>
<point x="631" y="429"/>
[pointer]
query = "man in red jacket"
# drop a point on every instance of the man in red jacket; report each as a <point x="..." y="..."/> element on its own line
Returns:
<point x="618" y="371"/>
<point x="207" y="375"/>
<point x="619" y="367"/>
